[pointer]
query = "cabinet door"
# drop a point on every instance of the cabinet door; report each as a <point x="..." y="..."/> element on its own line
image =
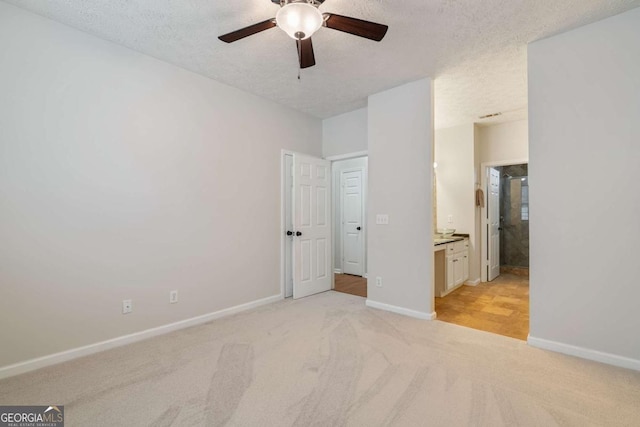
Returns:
<point x="465" y="267"/>
<point x="451" y="281"/>
<point x="458" y="269"/>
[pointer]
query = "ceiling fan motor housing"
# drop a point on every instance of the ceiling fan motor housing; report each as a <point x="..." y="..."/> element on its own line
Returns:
<point x="299" y="18"/>
<point x="284" y="2"/>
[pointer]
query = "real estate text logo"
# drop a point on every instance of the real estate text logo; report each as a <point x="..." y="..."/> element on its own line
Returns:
<point x="32" y="416"/>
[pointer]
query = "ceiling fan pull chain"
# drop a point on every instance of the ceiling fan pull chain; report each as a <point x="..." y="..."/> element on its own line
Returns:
<point x="299" y="54"/>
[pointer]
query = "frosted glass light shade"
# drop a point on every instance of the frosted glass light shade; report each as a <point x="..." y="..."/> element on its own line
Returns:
<point x="301" y="18"/>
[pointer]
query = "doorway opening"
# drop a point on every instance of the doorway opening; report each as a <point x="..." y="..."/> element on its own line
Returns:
<point x="514" y="219"/>
<point x="323" y="224"/>
<point x="306" y="225"/>
<point x="505" y="228"/>
<point x="500" y="303"/>
<point x="350" y="224"/>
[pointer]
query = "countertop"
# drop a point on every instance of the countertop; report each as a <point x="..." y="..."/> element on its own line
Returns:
<point x="455" y="238"/>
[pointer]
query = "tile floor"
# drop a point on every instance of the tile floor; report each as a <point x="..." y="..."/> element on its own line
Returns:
<point x="500" y="306"/>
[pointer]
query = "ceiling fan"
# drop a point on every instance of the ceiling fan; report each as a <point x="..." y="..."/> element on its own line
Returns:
<point x="300" y="19"/>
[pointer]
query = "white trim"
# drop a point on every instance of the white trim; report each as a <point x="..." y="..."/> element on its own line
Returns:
<point x="282" y="221"/>
<point x="366" y="275"/>
<point x="347" y="156"/>
<point x="483" y="210"/>
<point x="585" y="353"/>
<point x="283" y="244"/>
<point x="334" y="221"/>
<point x="401" y="310"/>
<point x="472" y="282"/>
<point x="64" y="356"/>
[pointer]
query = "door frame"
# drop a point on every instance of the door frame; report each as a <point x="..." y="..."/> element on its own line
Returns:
<point x="484" y="167"/>
<point x="363" y="215"/>
<point x="349" y="156"/>
<point x="283" y="217"/>
<point x="332" y="159"/>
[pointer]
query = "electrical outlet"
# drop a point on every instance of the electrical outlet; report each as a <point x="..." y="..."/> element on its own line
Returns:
<point x="379" y="281"/>
<point x="127" y="306"/>
<point x="450" y="219"/>
<point x="173" y="297"/>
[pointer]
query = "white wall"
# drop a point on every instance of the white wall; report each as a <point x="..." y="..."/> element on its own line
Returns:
<point x="455" y="183"/>
<point x="400" y="133"/>
<point x="454" y="177"/>
<point x="584" y="110"/>
<point x="337" y="168"/>
<point x="345" y="134"/>
<point x="125" y="177"/>
<point x="504" y="142"/>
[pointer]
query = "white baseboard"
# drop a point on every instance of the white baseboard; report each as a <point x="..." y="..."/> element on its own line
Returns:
<point x="472" y="282"/>
<point x="337" y="271"/>
<point x="64" y="356"/>
<point x="401" y="310"/>
<point x="585" y="353"/>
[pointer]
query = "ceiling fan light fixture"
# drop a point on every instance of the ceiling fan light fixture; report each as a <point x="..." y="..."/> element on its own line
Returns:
<point x="299" y="19"/>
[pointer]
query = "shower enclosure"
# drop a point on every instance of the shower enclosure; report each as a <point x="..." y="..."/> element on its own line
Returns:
<point x="514" y="216"/>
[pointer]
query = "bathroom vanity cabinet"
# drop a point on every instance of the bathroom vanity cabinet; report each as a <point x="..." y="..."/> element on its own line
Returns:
<point x="451" y="265"/>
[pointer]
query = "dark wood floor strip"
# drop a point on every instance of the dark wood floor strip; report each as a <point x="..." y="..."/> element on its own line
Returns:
<point x="354" y="285"/>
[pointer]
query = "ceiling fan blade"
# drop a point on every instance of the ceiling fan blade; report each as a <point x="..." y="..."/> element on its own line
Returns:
<point x="248" y="31"/>
<point x="358" y="27"/>
<point x="305" y="53"/>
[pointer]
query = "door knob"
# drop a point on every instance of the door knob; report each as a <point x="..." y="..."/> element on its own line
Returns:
<point x="358" y="228"/>
<point x="298" y="233"/>
<point x="289" y="233"/>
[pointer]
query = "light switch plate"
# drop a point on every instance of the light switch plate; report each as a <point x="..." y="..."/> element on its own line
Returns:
<point x="382" y="219"/>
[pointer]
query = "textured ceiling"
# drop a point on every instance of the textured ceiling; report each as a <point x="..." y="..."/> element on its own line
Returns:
<point x="475" y="50"/>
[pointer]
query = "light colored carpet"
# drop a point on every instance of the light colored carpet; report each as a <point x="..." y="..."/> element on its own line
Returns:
<point x="328" y="360"/>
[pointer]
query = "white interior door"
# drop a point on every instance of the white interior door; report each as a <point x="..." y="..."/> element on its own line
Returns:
<point x="352" y="222"/>
<point x="493" y="225"/>
<point x="312" y="225"/>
